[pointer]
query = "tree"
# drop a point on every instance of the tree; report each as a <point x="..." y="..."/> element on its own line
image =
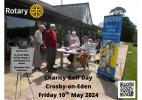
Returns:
<point x="118" y="11"/>
<point x="129" y="30"/>
<point x="135" y="39"/>
<point x="99" y="34"/>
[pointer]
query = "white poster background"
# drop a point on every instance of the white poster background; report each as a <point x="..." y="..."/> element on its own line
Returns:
<point x="21" y="60"/>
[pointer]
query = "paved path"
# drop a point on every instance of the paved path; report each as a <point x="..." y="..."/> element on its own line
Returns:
<point x="121" y="61"/>
<point x="106" y="90"/>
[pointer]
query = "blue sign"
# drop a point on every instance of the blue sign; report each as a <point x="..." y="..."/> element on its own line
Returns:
<point x="107" y="72"/>
<point x="110" y="46"/>
<point x="112" y="28"/>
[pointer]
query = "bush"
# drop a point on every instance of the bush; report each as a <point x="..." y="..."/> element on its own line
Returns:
<point x="135" y="40"/>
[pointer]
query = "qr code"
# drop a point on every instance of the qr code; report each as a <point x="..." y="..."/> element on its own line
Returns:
<point x="126" y="89"/>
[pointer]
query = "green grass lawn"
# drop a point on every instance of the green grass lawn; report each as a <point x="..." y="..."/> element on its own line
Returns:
<point x="130" y="72"/>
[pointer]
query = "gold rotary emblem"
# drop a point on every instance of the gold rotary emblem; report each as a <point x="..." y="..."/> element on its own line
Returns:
<point x="36" y="11"/>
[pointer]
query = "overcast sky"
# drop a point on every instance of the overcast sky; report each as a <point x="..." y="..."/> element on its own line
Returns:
<point x="100" y="8"/>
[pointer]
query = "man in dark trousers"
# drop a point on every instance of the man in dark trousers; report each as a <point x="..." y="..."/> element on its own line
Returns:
<point x="50" y="40"/>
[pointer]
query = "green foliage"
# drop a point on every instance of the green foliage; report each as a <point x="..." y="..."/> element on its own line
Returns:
<point x="128" y="30"/>
<point x="135" y="39"/>
<point x="60" y="35"/>
<point x="99" y="34"/>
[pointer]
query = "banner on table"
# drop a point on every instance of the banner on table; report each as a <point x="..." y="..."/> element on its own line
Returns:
<point x="110" y="46"/>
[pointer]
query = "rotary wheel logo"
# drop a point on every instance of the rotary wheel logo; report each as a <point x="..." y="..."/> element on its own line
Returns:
<point x="36" y="11"/>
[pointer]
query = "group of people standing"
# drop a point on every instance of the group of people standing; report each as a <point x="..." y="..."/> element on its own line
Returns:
<point x="48" y="38"/>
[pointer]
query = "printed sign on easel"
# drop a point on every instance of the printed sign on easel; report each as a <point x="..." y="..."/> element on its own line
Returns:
<point x="21" y="60"/>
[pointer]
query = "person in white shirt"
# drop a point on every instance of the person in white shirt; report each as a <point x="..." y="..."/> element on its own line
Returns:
<point x="86" y="47"/>
<point x="37" y="43"/>
<point x="72" y="46"/>
<point x="93" y="46"/>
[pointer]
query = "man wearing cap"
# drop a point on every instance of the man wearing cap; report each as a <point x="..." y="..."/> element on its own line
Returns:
<point x="50" y="40"/>
<point x="37" y="42"/>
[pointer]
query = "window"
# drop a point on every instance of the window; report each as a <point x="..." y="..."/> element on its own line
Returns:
<point x="19" y="27"/>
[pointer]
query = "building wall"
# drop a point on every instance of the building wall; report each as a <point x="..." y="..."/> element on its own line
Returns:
<point x="87" y="17"/>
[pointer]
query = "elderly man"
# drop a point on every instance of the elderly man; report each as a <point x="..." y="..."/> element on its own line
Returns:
<point x="50" y="40"/>
<point x="37" y="43"/>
